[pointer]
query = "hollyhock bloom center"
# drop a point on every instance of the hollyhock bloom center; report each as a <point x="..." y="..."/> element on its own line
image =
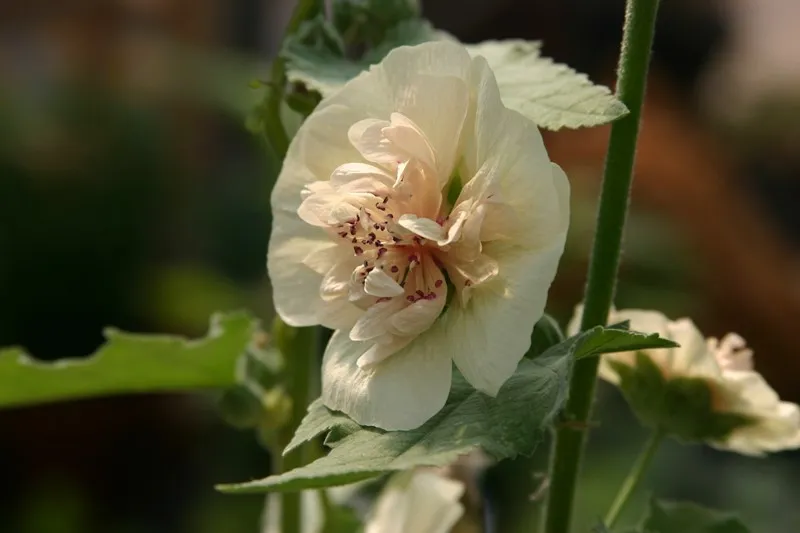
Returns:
<point x="406" y="240"/>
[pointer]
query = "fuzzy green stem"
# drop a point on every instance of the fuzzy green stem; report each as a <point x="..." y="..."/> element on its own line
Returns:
<point x="637" y="41"/>
<point x="634" y="477"/>
<point x="299" y="346"/>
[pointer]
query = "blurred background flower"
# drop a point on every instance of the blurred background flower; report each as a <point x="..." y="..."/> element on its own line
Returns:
<point x="132" y="196"/>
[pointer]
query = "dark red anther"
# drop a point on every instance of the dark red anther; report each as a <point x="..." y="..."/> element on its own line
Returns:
<point x="395" y="269"/>
<point x="358" y="250"/>
<point x="438" y="283"/>
<point x="382" y="251"/>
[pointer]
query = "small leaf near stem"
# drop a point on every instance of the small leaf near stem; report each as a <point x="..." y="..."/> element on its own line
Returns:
<point x="634" y="477"/>
<point x="637" y="41"/>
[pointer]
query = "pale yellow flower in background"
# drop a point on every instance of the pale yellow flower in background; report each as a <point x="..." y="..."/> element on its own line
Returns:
<point x="726" y="366"/>
<point x="417" y="501"/>
<point x="424" y="222"/>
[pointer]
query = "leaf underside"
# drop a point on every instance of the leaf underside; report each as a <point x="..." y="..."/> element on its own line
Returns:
<point x="506" y="426"/>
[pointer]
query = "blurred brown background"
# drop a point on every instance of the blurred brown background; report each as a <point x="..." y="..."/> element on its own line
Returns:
<point x="131" y="195"/>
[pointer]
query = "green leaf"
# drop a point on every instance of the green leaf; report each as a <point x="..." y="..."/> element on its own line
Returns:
<point x="551" y="94"/>
<point x="130" y="363"/>
<point x="317" y="421"/>
<point x="600" y="340"/>
<point x="316" y="55"/>
<point x="546" y="333"/>
<point x="506" y="426"/>
<point x="681" y="407"/>
<point x="673" y="517"/>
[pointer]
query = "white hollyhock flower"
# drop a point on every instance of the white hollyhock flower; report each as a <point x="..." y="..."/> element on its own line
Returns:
<point x="412" y="175"/>
<point x="417" y="501"/>
<point x="422" y="500"/>
<point x="312" y="511"/>
<point x="727" y="368"/>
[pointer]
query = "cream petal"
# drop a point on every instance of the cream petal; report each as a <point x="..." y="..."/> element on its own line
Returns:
<point x="455" y="224"/>
<point x="435" y="501"/>
<point x="731" y="352"/>
<point x="380" y="284"/>
<point x="330" y="209"/>
<point x="419" y="316"/>
<point x="505" y="154"/>
<point x="321" y="258"/>
<point x="319" y="147"/>
<point x="428" y="84"/>
<point x="481" y="270"/>
<point x="338" y="314"/>
<point x="368" y="138"/>
<point x="400" y="393"/>
<point x="407" y="137"/>
<point x="692" y="358"/>
<point x="490" y="334"/>
<point x="381" y="350"/>
<point x="424" y="227"/>
<point x="417" y="190"/>
<point x="336" y="282"/>
<point x="316" y="208"/>
<point x="317" y="187"/>
<point x="348" y="172"/>
<point x="777" y="424"/>
<point x="366" y="185"/>
<point x="374" y="322"/>
<point x="295" y="287"/>
<point x="392" y="510"/>
<point x="418" y="501"/>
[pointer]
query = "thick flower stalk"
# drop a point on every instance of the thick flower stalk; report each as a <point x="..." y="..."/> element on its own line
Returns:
<point x="740" y="412"/>
<point x="423" y="221"/>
